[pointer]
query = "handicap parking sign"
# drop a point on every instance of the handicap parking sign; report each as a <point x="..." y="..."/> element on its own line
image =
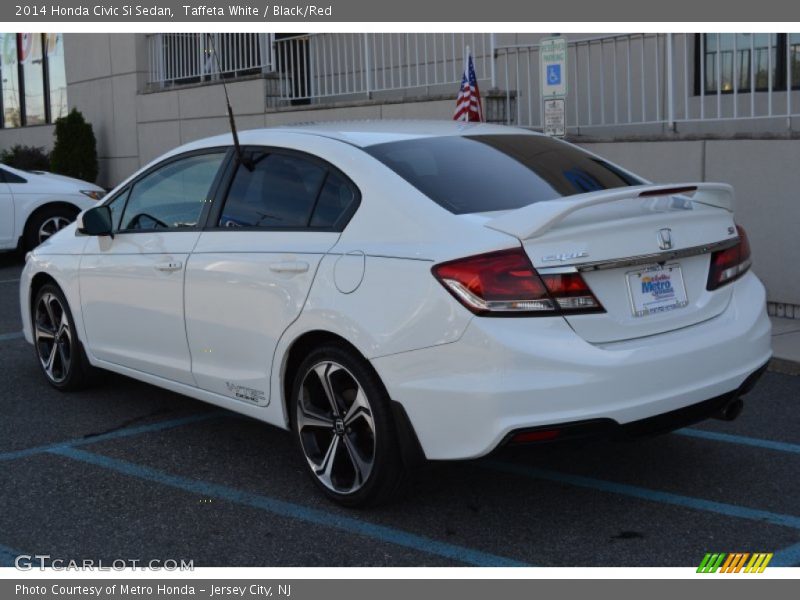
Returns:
<point x="554" y="74"/>
<point x="553" y="67"/>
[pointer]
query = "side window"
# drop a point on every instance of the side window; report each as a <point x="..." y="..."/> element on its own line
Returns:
<point x="173" y="196"/>
<point x="334" y="202"/>
<point x="10" y="177"/>
<point x="116" y="204"/>
<point x="279" y="192"/>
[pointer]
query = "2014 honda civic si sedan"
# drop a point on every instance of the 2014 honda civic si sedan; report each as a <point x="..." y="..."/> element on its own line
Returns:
<point x="397" y="290"/>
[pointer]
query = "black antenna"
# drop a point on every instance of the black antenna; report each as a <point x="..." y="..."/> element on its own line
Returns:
<point x="242" y="159"/>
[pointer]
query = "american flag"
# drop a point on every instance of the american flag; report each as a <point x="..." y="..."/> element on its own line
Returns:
<point x="468" y="103"/>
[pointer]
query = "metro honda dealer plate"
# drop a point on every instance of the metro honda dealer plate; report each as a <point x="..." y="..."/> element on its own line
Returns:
<point x="656" y="289"/>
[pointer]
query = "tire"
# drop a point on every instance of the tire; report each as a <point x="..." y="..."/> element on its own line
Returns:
<point x="58" y="350"/>
<point x="46" y="222"/>
<point x="349" y="445"/>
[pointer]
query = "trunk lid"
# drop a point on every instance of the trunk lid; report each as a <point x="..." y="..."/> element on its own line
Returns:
<point x="643" y="250"/>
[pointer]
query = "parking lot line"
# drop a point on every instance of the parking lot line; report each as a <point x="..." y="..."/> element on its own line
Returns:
<point x="741" y="440"/>
<point x="788" y="557"/>
<point x="7" y="556"/>
<point x="9" y="280"/>
<point x="294" y="511"/>
<point x="113" y="435"/>
<point x="730" y="510"/>
<point x="4" y="337"/>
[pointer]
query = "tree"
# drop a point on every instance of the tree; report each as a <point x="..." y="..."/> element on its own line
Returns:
<point x="27" y="158"/>
<point x="75" y="151"/>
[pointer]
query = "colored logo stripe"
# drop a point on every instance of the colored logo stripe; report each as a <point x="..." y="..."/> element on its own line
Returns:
<point x="710" y="563"/>
<point x="734" y="562"/>
<point x="758" y="563"/>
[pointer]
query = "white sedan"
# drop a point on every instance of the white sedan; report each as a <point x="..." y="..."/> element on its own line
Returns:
<point x="34" y="205"/>
<point x="398" y="291"/>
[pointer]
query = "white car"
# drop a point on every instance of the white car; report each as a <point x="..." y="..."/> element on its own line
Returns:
<point x="34" y="205"/>
<point x="392" y="291"/>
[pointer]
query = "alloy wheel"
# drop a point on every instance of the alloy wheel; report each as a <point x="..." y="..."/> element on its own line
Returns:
<point x="51" y="226"/>
<point x="53" y="336"/>
<point x="336" y="427"/>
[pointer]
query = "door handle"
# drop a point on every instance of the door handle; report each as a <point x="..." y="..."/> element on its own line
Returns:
<point x="289" y="266"/>
<point x="174" y="265"/>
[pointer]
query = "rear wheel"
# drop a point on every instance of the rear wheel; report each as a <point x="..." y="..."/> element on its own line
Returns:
<point x="343" y="427"/>
<point x="57" y="347"/>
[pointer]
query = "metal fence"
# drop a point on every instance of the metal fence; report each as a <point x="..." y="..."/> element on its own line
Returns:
<point x="185" y="58"/>
<point x="323" y="66"/>
<point x="660" y="79"/>
<point x="655" y="81"/>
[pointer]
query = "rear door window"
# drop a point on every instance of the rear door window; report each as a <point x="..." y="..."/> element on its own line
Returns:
<point x="484" y="173"/>
<point x="288" y="191"/>
<point x="279" y="191"/>
<point x="335" y="202"/>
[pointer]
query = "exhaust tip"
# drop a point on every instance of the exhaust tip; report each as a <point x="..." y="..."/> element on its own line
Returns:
<point x="731" y="410"/>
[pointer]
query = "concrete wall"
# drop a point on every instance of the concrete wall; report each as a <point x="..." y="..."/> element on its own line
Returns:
<point x="103" y="84"/>
<point x="173" y="117"/>
<point x="134" y="124"/>
<point x="766" y="176"/>
<point x="168" y="118"/>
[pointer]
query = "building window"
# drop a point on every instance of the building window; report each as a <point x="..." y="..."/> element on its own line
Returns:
<point x="740" y="62"/>
<point x="31" y="58"/>
<point x="57" y="76"/>
<point x="12" y="111"/>
<point x="794" y="53"/>
<point x="34" y="88"/>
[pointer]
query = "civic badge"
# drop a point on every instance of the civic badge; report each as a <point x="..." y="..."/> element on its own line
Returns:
<point x="665" y="238"/>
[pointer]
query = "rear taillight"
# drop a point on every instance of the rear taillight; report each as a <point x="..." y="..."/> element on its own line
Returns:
<point x="729" y="264"/>
<point x="505" y="283"/>
<point x="571" y="293"/>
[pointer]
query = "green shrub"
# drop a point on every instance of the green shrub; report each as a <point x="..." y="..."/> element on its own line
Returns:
<point x="27" y="158"/>
<point x="75" y="150"/>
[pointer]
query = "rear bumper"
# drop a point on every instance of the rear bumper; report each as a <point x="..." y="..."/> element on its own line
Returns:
<point x="504" y="375"/>
<point x="663" y="423"/>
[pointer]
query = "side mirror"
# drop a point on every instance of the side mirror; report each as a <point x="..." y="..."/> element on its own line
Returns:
<point x="96" y="221"/>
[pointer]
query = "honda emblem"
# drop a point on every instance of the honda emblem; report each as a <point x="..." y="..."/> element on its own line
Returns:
<point x="665" y="238"/>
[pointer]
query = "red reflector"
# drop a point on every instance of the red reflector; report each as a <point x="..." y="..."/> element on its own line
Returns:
<point x="541" y="435"/>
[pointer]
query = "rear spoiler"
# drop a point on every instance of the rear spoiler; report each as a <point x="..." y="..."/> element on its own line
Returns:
<point x="535" y="219"/>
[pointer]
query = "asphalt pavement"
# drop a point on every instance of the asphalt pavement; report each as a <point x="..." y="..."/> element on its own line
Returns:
<point x="128" y="471"/>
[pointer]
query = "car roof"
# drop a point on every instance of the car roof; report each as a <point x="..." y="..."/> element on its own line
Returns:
<point x="362" y="133"/>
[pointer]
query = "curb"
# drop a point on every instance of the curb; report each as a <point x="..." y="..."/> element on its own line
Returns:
<point x="784" y="366"/>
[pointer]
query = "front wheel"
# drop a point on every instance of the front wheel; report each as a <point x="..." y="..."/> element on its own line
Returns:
<point x="343" y="426"/>
<point x="57" y="347"/>
<point x="45" y="223"/>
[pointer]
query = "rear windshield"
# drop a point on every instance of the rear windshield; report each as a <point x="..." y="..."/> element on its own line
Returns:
<point x="485" y="173"/>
